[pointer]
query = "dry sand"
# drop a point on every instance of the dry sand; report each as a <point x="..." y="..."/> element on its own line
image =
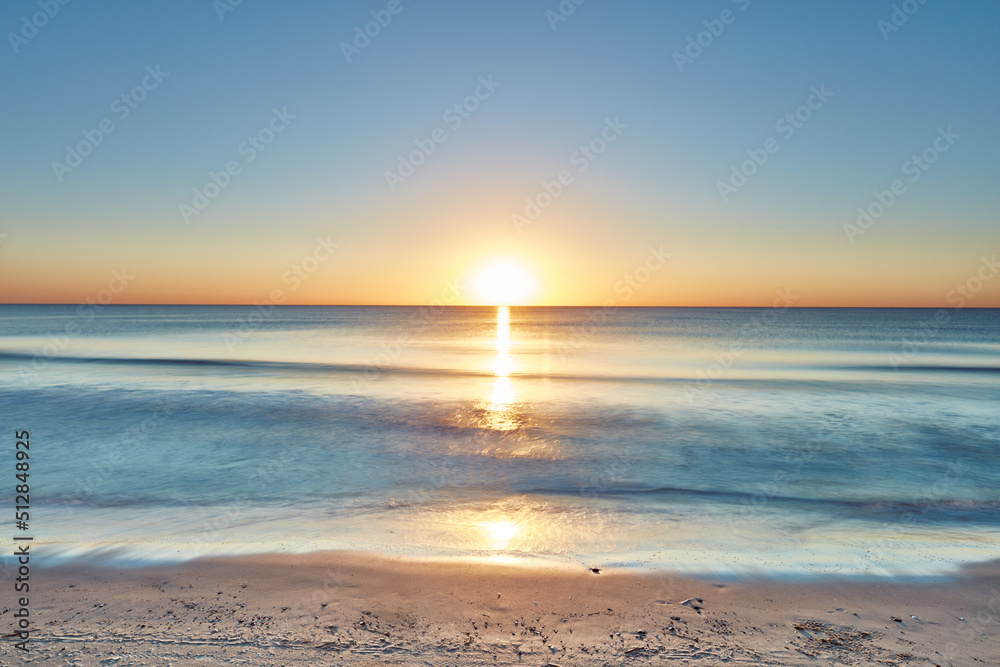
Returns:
<point x="359" y="609"/>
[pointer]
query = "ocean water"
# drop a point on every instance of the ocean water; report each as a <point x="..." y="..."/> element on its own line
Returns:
<point x="725" y="441"/>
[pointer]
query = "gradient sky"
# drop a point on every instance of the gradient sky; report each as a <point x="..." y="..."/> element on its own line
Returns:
<point x="656" y="185"/>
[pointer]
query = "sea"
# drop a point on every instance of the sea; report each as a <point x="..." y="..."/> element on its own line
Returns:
<point x="735" y="442"/>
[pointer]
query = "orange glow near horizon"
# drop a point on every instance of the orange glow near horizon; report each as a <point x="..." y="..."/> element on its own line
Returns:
<point x="551" y="268"/>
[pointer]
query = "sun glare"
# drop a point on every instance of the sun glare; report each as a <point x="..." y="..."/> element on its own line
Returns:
<point x="505" y="283"/>
<point x="500" y="533"/>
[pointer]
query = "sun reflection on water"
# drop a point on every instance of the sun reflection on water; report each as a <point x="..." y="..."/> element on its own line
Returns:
<point x="500" y="408"/>
<point x="514" y="524"/>
<point x="500" y="422"/>
<point x="499" y="533"/>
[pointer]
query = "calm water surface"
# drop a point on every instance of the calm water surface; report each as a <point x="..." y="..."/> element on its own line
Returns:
<point x="711" y="440"/>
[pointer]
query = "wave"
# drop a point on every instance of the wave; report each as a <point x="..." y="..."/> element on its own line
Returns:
<point x="372" y="371"/>
<point x="987" y="511"/>
<point x="171" y="361"/>
<point x="919" y="369"/>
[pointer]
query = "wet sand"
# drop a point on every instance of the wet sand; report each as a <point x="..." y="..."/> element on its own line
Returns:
<point x="342" y="608"/>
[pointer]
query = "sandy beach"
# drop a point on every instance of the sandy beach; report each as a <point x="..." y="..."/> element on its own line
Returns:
<point x="506" y="333"/>
<point x="341" y="608"/>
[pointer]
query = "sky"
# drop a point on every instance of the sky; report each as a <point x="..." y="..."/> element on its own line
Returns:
<point x="635" y="153"/>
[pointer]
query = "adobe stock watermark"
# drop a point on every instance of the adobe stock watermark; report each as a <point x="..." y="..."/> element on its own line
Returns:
<point x="881" y="551"/>
<point x="30" y="25"/>
<point x="418" y="322"/>
<point x="803" y="452"/>
<point x="581" y="158"/>
<point x="960" y="296"/>
<point x="630" y="283"/>
<point x="85" y="313"/>
<point x="914" y="168"/>
<point x="696" y="44"/>
<point x="122" y="107"/>
<point x="249" y="149"/>
<point x="332" y="580"/>
<point x="604" y="478"/>
<point x="112" y="454"/>
<point x="381" y="18"/>
<point x="967" y="628"/>
<point x="748" y="333"/>
<point x="786" y="126"/>
<point x="901" y="13"/>
<point x="293" y="277"/>
<point x="562" y="12"/>
<point x="454" y="116"/>
<point x="266" y="474"/>
<point x="223" y="7"/>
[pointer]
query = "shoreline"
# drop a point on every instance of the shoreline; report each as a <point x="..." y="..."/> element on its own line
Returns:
<point x="351" y="608"/>
<point x="736" y="572"/>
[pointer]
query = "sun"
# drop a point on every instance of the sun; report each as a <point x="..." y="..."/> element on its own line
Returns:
<point x="505" y="282"/>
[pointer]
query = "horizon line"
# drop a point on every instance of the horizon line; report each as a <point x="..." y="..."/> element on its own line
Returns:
<point x="426" y="305"/>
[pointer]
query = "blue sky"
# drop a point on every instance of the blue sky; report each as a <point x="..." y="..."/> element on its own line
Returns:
<point x="324" y="174"/>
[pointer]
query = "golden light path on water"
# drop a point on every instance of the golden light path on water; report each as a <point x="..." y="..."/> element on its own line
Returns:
<point x="497" y="527"/>
<point x="501" y="417"/>
<point x="501" y="428"/>
<point x="500" y="425"/>
<point x="500" y="413"/>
